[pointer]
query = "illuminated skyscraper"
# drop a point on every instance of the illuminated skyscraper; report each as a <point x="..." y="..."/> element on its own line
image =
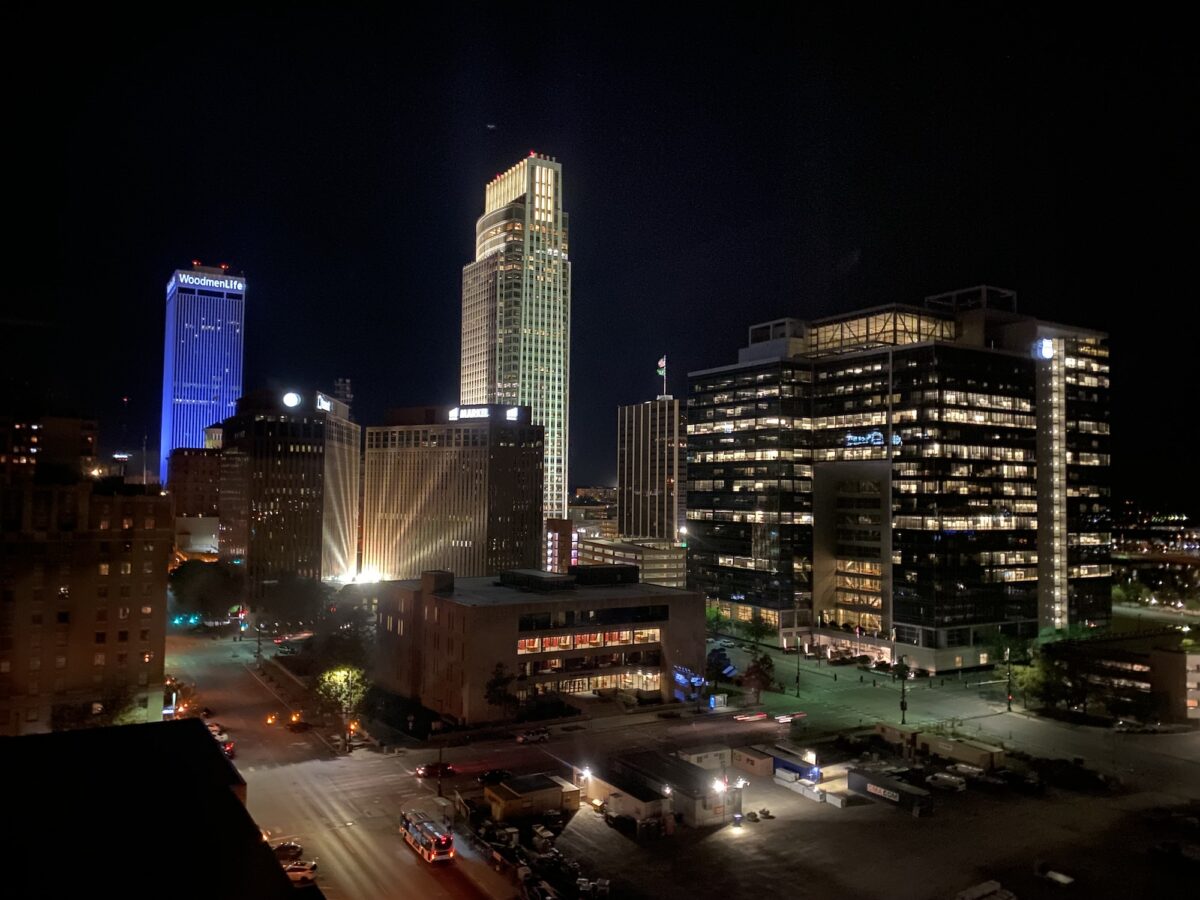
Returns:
<point x="202" y="355"/>
<point x="516" y="309"/>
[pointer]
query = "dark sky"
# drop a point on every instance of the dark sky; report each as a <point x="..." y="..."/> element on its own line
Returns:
<point x="718" y="171"/>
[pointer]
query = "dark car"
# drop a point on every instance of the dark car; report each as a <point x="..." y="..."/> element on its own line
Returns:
<point x="287" y="850"/>
<point x="436" y="770"/>
<point x="494" y="776"/>
<point x="207" y="712"/>
<point x="534" y="736"/>
<point x="299" y="726"/>
<point x="229" y="749"/>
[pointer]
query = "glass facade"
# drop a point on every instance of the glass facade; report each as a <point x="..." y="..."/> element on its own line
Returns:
<point x="749" y="466"/>
<point x="954" y="466"/>
<point x="202" y="356"/>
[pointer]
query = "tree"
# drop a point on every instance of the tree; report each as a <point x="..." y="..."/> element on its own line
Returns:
<point x="756" y="628"/>
<point x="295" y="599"/>
<point x="715" y="621"/>
<point x="496" y="690"/>
<point x="210" y="589"/>
<point x="117" y="707"/>
<point x="342" y="690"/>
<point x="344" y="635"/>
<point x="760" y="675"/>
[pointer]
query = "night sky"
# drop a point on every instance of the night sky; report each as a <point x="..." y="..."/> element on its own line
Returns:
<point x="717" y="172"/>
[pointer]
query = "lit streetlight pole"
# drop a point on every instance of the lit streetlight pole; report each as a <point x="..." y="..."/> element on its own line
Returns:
<point x="1008" y="662"/>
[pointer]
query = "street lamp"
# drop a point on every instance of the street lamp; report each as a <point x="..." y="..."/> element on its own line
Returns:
<point x="903" y="683"/>
<point x="1008" y="662"/>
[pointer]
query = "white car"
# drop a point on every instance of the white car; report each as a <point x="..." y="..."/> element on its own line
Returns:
<point x="946" y="782"/>
<point x="221" y="737"/>
<point x="965" y="769"/>
<point x="301" y="871"/>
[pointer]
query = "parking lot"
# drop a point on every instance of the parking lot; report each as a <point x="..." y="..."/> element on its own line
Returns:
<point x="872" y="849"/>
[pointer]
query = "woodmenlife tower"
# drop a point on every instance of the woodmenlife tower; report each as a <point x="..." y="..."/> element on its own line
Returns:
<point x="516" y="309"/>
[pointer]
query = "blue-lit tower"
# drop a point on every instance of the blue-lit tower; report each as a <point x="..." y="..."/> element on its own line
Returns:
<point x="202" y="355"/>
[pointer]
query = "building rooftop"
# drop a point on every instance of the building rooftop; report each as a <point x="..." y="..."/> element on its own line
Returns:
<point x="140" y="810"/>
<point x="679" y="774"/>
<point x="525" y="784"/>
<point x="526" y="586"/>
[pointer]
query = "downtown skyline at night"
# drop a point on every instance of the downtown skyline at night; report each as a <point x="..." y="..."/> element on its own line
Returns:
<point x="600" y="452"/>
<point x="703" y="201"/>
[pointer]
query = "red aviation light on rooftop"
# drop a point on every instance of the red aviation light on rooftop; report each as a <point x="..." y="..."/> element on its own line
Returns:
<point x="224" y="267"/>
<point x="195" y="262"/>
<point x="533" y="153"/>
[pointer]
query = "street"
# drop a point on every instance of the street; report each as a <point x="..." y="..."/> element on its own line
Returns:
<point x="344" y="809"/>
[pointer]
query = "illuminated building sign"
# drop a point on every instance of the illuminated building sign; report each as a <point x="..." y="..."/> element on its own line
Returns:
<point x="870" y="439"/>
<point x="883" y="792"/>
<point x="512" y="413"/>
<point x="209" y="281"/>
<point x="469" y="412"/>
<point x="323" y="403"/>
<point x="1044" y="349"/>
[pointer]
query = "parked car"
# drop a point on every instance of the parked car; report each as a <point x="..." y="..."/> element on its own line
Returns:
<point x="436" y="770"/>
<point x="299" y="725"/>
<point x="285" y="851"/>
<point x="494" y="776"/>
<point x="221" y="737"/>
<point x="215" y="728"/>
<point x="301" y="872"/>
<point x="946" y="782"/>
<point x="534" y="736"/>
<point x="726" y="642"/>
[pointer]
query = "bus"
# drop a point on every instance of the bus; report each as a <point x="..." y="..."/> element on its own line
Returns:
<point x="426" y="837"/>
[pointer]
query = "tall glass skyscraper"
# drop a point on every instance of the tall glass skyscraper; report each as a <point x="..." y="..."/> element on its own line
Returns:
<point x="202" y="355"/>
<point x="516" y="309"/>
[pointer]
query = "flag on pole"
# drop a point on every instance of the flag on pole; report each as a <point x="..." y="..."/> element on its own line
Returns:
<point x="662" y="366"/>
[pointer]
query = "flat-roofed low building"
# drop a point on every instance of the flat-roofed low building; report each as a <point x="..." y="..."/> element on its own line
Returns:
<point x="591" y="632"/>
<point x="530" y="795"/>
<point x="659" y="561"/>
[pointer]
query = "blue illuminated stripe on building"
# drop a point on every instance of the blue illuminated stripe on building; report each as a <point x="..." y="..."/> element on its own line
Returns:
<point x="202" y="359"/>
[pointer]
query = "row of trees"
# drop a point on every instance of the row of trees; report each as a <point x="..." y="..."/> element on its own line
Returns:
<point x="754" y="629"/>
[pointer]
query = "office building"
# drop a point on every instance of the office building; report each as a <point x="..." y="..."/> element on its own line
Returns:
<point x="461" y="493"/>
<point x="202" y="355"/>
<point x="658" y="561"/>
<point x="562" y="546"/>
<point x="594" y="632"/>
<point x="194" y="486"/>
<point x="516" y="309"/>
<point x="601" y="494"/>
<point x="936" y="473"/>
<point x="652" y="468"/>
<point x="30" y="444"/>
<point x="289" y="488"/>
<point x="83" y="593"/>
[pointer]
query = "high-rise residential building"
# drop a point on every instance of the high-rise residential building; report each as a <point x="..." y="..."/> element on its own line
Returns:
<point x="456" y="489"/>
<point x="932" y="476"/>
<point x="516" y="309"/>
<point x="652" y="468"/>
<point x="83" y="593"/>
<point x="289" y="487"/>
<point x="202" y="355"/>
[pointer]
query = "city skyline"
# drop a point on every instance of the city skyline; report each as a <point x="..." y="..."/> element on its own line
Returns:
<point x="802" y="185"/>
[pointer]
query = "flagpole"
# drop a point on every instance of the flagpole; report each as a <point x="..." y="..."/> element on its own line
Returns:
<point x="664" y="379"/>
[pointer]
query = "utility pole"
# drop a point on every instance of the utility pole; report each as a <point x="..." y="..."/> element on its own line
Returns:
<point x="903" y="699"/>
<point x="1008" y="662"/>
